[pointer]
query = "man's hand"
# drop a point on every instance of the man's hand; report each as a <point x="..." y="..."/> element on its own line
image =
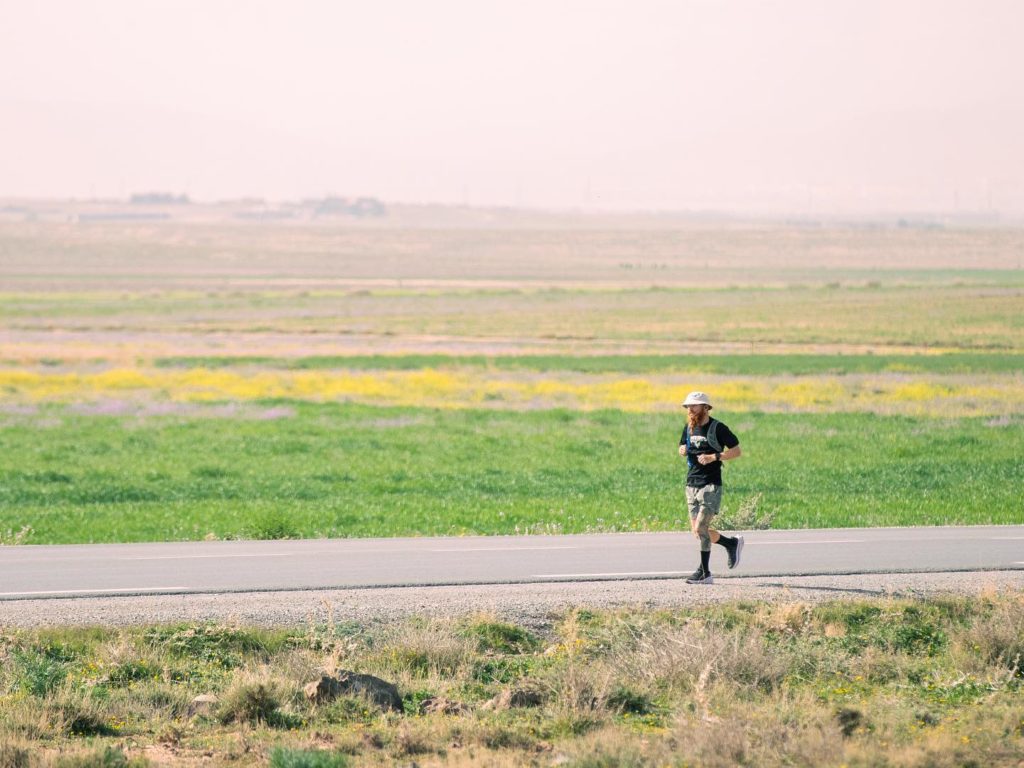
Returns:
<point x="682" y="450"/>
<point x="707" y="458"/>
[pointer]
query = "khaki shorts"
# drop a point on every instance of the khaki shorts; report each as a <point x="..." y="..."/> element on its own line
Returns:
<point x="706" y="499"/>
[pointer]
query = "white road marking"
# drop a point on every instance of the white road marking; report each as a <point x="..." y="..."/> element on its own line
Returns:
<point x="824" y="541"/>
<point x="597" y="575"/>
<point x="499" y="549"/>
<point x="1008" y="538"/>
<point x="94" y="591"/>
<point x="201" y="557"/>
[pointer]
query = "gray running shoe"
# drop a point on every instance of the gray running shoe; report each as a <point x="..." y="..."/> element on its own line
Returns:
<point x="700" y="577"/>
<point x="734" y="552"/>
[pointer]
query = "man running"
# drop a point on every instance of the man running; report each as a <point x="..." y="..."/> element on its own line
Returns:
<point x="706" y="443"/>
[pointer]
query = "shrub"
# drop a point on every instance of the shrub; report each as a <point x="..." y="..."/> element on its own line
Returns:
<point x="349" y="709"/>
<point x="80" y="714"/>
<point x="108" y="757"/>
<point x="38" y="673"/>
<point x="997" y="639"/>
<point x="748" y="517"/>
<point x="621" y="757"/>
<point x="251" y="701"/>
<point x="499" y="637"/>
<point x="208" y="642"/>
<point x="12" y="756"/>
<point x="281" y="757"/>
<point x="623" y="699"/>
<point x="273" y="525"/>
<point x="421" y="650"/>
<point x="502" y="670"/>
<point x="128" y="672"/>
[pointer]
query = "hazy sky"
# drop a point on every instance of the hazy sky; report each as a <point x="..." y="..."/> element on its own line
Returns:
<point x="748" y="105"/>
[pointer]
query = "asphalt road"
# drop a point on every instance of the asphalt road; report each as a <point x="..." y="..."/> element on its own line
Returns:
<point x="33" y="572"/>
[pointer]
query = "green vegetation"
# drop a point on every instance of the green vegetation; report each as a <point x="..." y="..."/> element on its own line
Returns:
<point x="846" y="682"/>
<point x="311" y="469"/>
<point x="924" y="323"/>
<point x="941" y="317"/>
<point x="725" y="364"/>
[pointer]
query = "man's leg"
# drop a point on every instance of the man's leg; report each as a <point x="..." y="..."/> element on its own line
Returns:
<point x="703" y="573"/>
<point x="733" y="544"/>
<point x="695" y="507"/>
<point x="701" y="513"/>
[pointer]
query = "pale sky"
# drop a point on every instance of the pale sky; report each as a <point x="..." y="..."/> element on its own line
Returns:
<point x="824" y="106"/>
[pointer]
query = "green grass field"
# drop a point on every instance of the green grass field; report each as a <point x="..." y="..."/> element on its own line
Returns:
<point x="724" y="364"/>
<point x="296" y="469"/>
<point x="183" y="379"/>
<point x="192" y="380"/>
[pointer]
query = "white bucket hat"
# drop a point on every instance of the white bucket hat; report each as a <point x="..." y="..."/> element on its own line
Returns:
<point x="697" y="398"/>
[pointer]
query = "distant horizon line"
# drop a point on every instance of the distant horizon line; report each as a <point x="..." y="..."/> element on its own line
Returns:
<point x="909" y="216"/>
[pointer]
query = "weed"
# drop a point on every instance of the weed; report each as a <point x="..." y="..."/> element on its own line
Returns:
<point x="10" y="537"/>
<point x="501" y="637"/>
<point x="282" y="757"/>
<point x="40" y="672"/>
<point x="223" y="645"/>
<point x="13" y="756"/>
<point x="424" y="649"/>
<point x="995" y="639"/>
<point x="251" y="700"/>
<point x="81" y="713"/>
<point x="131" y="671"/>
<point x="749" y="516"/>
<point x="626" y="700"/>
<point x="273" y="525"/>
<point x="108" y="757"/>
<point x="350" y="709"/>
<point x="502" y="670"/>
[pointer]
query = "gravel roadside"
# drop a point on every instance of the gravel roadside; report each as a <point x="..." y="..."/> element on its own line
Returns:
<point x="525" y="604"/>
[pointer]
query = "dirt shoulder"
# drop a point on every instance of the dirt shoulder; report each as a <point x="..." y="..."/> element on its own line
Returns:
<point x="525" y="604"/>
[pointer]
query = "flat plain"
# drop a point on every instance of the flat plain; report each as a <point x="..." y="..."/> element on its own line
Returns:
<point x="177" y="380"/>
<point x="503" y="373"/>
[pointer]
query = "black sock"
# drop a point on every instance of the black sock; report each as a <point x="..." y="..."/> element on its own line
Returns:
<point x="726" y="541"/>
<point x="704" y="558"/>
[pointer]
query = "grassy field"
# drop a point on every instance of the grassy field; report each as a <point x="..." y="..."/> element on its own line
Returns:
<point x="200" y="379"/>
<point x="118" y="471"/>
<point x="614" y="250"/>
<point x="905" y="317"/>
<point x="850" y="683"/>
<point x="721" y="364"/>
<point x="181" y="380"/>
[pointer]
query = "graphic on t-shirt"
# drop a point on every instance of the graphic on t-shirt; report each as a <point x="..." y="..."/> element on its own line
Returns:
<point x="698" y="443"/>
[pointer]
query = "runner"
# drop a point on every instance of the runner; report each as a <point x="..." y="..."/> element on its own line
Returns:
<point x="706" y="443"/>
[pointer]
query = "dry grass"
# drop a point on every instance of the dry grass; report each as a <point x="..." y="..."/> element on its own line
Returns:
<point x="892" y="682"/>
<point x="198" y="254"/>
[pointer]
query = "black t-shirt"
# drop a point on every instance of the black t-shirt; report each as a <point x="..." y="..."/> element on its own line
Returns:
<point x="699" y="474"/>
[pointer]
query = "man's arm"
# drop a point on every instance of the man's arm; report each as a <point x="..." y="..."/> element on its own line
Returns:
<point x="728" y="453"/>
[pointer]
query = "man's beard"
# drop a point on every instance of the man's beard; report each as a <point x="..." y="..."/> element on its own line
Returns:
<point x="695" y="418"/>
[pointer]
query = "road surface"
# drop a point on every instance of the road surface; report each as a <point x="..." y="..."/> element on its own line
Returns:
<point x="34" y="572"/>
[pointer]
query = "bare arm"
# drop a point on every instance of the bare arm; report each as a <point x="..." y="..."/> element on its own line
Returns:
<point x="731" y="453"/>
<point x="728" y="453"/>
